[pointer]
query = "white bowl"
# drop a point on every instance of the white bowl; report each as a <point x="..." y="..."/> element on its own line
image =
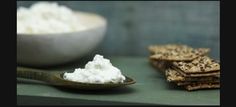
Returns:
<point x="54" y="49"/>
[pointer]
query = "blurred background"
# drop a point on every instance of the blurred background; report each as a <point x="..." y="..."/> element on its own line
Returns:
<point x="134" y="25"/>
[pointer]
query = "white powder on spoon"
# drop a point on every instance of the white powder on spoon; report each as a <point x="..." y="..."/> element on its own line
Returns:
<point x="100" y="70"/>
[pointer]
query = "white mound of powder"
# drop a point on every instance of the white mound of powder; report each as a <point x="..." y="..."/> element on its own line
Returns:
<point x="100" y="71"/>
<point x="47" y="17"/>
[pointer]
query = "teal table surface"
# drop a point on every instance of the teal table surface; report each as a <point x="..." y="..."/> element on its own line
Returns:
<point x="150" y="88"/>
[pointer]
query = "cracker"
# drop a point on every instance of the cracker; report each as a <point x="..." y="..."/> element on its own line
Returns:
<point x="200" y="65"/>
<point x="197" y="86"/>
<point x="174" y="52"/>
<point x="212" y="73"/>
<point x="198" y="82"/>
<point x="186" y="66"/>
<point x="174" y="76"/>
<point x="160" y="64"/>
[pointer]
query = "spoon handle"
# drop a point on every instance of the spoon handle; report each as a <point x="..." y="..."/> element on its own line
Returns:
<point x="35" y="74"/>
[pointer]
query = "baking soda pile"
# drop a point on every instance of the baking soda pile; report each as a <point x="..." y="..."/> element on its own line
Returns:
<point x="47" y="17"/>
<point x="100" y="70"/>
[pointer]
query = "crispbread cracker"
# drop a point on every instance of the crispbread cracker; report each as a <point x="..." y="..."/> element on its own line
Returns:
<point x="198" y="82"/>
<point x="160" y="64"/>
<point x="205" y="74"/>
<point x="173" y="52"/>
<point x="174" y="76"/>
<point x="186" y="66"/>
<point x="198" y="86"/>
<point x="202" y="64"/>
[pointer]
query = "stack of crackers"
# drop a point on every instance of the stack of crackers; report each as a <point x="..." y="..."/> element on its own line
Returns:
<point x="185" y="66"/>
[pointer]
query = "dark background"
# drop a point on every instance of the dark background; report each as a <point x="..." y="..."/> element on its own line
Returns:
<point x="134" y="25"/>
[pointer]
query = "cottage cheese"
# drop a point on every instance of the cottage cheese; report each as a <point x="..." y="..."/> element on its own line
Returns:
<point x="47" y="17"/>
<point x="100" y="70"/>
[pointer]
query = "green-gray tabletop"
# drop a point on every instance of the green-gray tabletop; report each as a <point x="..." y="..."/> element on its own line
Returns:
<point x="150" y="88"/>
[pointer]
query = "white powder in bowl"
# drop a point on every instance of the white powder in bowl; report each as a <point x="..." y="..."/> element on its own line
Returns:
<point x="100" y="71"/>
<point x="47" y="17"/>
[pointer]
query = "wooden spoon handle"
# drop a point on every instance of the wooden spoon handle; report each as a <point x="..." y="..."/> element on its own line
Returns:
<point x="35" y="74"/>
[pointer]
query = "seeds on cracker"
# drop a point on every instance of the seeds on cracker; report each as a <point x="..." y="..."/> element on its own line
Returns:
<point x="175" y="52"/>
<point x="199" y="65"/>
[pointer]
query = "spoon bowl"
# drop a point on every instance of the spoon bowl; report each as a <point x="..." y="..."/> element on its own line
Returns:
<point x="56" y="78"/>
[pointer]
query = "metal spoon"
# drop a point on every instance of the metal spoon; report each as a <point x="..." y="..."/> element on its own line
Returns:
<point x="56" y="79"/>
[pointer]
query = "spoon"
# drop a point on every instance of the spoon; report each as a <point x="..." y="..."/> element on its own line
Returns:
<point x="56" y="79"/>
